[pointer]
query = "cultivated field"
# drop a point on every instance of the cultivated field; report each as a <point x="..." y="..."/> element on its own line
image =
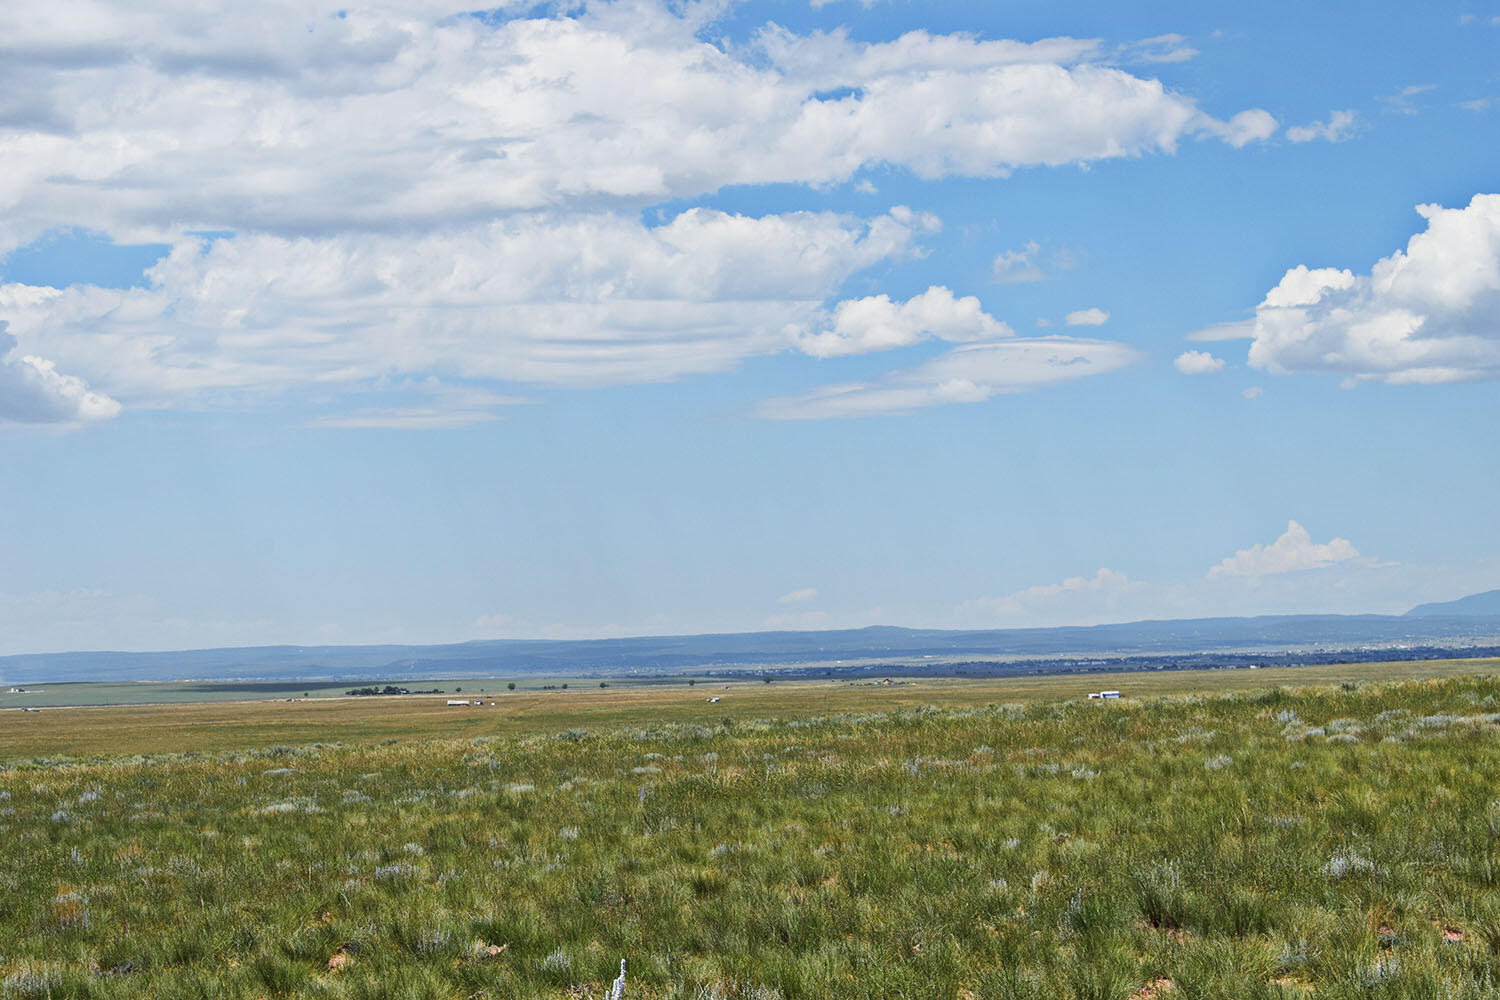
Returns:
<point x="1336" y="842"/>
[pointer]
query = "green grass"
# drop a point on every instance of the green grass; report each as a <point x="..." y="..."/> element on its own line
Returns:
<point x="1340" y="842"/>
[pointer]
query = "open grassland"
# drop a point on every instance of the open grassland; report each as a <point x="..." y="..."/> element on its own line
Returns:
<point x="1338" y="842"/>
<point x="241" y="725"/>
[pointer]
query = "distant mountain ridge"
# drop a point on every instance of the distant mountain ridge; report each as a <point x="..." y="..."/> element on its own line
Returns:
<point x="1487" y="603"/>
<point x="671" y="654"/>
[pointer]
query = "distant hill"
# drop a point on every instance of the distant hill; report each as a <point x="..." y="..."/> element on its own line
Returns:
<point x="675" y="654"/>
<point x="1487" y="603"/>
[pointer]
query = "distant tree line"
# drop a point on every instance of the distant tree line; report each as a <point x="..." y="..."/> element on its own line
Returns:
<point x="390" y="689"/>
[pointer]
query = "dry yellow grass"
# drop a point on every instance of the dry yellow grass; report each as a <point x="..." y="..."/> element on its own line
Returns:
<point x="145" y="729"/>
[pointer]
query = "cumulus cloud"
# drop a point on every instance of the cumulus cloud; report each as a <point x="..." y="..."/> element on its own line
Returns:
<point x="1430" y="314"/>
<point x="1198" y="363"/>
<point x="33" y="391"/>
<point x="1292" y="575"/>
<point x="412" y="115"/>
<point x="1013" y="267"/>
<point x="1252" y="392"/>
<point x="513" y="299"/>
<point x="877" y="324"/>
<point x="1087" y="317"/>
<point x="1246" y="127"/>
<point x="412" y="189"/>
<point x="971" y="373"/>
<point x="1293" y="552"/>
<point x="1339" y="126"/>
<point x="799" y="596"/>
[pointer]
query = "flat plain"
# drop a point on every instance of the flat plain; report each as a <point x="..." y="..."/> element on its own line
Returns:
<point x="1220" y="835"/>
<point x="88" y="719"/>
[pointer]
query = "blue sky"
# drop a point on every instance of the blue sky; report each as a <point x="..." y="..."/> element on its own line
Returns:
<point x="345" y="323"/>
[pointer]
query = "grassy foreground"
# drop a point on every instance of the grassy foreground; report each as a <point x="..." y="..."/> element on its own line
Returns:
<point x="1338" y="842"/>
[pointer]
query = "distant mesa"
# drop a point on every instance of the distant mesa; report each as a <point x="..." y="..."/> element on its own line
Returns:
<point x="1487" y="603"/>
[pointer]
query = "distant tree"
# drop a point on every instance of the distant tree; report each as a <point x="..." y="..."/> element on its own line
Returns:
<point x="692" y="682"/>
<point x="766" y="679"/>
<point x="603" y="684"/>
<point x="306" y="695"/>
<point x="565" y="687"/>
<point x="458" y="690"/>
<point x="511" y="686"/>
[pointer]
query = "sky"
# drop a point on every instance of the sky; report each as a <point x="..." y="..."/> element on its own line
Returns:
<point x="335" y="322"/>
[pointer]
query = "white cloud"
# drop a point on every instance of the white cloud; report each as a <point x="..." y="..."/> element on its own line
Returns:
<point x="877" y="324"/>
<point x="414" y="190"/>
<point x="404" y="116"/>
<point x="1235" y="330"/>
<point x="1087" y="317"/>
<point x="971" y="373"/>
<point x="799" y="596"/>
<point x="1292" y="575"/>
<point x="1246" y="127"/>
<point x="515" y="299"/>
<point x="1426" y="315"/>
<point x="1198" y="363"/>
<point x="1293" y="552"/>
<point x="1252" y="392"/>
<point x="1018" y="266"/>
<point x="1479" y="104"/>
<point x="1339" y="126"/>
<point x="33" y="391"/>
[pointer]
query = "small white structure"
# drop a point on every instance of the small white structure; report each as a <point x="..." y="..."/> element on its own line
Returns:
<point x="452" y="702"/>
<point x="715" y="700"/>
<point x="1095" y="696"/>
<point x="1109" y="694"/>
